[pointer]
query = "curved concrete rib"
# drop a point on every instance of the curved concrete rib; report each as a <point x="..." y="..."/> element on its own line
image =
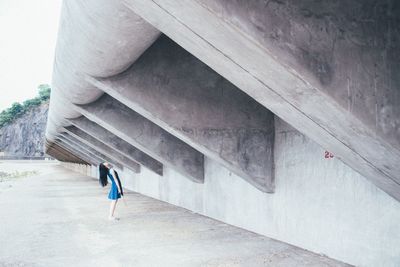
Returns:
<point x="74" y="149"/>
<point x="311" y="82"/>
<point x="185" y="97"/>
<point x="76" y="144"/>
<point x="100" y="147"/>
<point x="57" y="154"/>
<point x="64" y="154"/>
<point x="145" y="135"/>
<point x="85" y="126"/>
<point x="96" y="37"/>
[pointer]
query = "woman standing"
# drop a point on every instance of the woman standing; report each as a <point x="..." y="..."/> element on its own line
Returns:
<point x="106" y="170"/>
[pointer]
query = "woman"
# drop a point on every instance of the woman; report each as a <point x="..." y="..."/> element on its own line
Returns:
<point x="106" y="170"/>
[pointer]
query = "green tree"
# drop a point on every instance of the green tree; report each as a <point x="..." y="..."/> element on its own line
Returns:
<point x="16" y="109"/>
<point x="5" y="117"/>
<point x="44" y="92"/>
<point x="31" y="103"/>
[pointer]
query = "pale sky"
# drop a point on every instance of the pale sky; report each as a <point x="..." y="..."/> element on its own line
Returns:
<point x="28" y="33"/>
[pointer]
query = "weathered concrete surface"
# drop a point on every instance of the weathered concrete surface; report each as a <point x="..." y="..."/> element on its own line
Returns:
<point x="83" y="125"/>
<point x="145" y="135"/>
<point x="56" y="154"/>
<point x="78" y="145"/>
<point x="65" y="147"/>
<point x="61" y="156"/>
<point x="61" y="153"/>
<point x="328" y="69"/>
<point x="79" y="151"/>
<point x="84" y="47"/>
<point x="185" y="97"/>
<point x="320" y="204"/>
<point x="87" y="170"/>
<point x="100" y="147"/>
<point x="59" y="218"/>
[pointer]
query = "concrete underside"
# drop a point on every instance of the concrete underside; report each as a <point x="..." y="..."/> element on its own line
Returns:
<point x="185" y="97"/>
<point x="83" y="126"/>
<point x="145" y="135"/>
<point x="328" y="69"/>
<point x="63" y="154"/>
<point x="65" y="225"/>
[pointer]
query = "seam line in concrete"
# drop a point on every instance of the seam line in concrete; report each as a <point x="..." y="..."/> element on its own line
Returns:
<point x="265" y="85"/>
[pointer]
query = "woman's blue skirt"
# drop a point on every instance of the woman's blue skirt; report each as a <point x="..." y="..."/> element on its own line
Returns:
<point x="113" y="195"/>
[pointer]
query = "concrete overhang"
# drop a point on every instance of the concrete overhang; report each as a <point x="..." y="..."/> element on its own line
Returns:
<point x="97" y="38"/>
<point x="324" y="76"/>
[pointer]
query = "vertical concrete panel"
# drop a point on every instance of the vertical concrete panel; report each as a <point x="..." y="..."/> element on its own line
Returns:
<point x="129" y="179"/>
<point x="172" y="189"/>
<point x="339" y="212"/>
<point x="231" y="199"/>
<point x="321" y="204"/>
<point x="148" y="183"/>
<point x="94" y="171"/>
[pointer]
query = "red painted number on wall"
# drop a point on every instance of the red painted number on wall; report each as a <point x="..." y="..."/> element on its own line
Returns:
<point x="328" y="155"/>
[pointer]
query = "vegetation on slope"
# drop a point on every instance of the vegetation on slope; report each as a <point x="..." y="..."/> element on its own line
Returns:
<point x="16" y="110"/>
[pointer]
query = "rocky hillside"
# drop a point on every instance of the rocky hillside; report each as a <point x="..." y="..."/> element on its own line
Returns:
<point x="24" y="137"/>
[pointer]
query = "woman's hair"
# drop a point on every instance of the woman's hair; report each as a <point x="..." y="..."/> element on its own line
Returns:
<point x="103" y="171"/>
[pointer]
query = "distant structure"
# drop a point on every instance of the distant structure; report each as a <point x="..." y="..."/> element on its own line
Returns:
<point x="280" y="117"/>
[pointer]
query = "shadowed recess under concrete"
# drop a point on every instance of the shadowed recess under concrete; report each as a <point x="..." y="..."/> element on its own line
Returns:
<point x="71" y="148"/>
<point x="320" y="66"/>
<point x="83" y="125"/>
<point x="74" y="143"/>
<point x="100" y="147"/>
<point x="65" y="155"/>
<point x="145" y="135"/>
<point x="185" y="97"/>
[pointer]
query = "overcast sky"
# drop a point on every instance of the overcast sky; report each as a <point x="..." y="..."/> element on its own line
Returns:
<point x="28" y="32"/>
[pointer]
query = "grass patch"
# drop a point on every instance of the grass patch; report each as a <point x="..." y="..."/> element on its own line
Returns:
<point x="4" y="176"/>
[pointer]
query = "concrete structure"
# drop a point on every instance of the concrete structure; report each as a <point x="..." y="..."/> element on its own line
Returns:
<point x="185" y="97"/>
<point x="87" y="150"/>
<point x="100" y="147"/>
<point x="83" y="125"/>
<point x="91" y="158"/>
<point x="281" y="117"/>
<point x="63" y="154"/>
<point x="145" y="135"/>
<point x="327" y="81"/>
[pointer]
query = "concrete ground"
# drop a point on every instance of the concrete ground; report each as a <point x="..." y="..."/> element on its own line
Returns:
<point x="59" y="218"/>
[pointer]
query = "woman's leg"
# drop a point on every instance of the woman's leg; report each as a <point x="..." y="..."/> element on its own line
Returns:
<point x="113" y="204"/>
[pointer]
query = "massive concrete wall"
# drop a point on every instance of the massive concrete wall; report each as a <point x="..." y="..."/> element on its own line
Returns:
<point x="330" y="69"/>
<point x="319" y="204"/>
